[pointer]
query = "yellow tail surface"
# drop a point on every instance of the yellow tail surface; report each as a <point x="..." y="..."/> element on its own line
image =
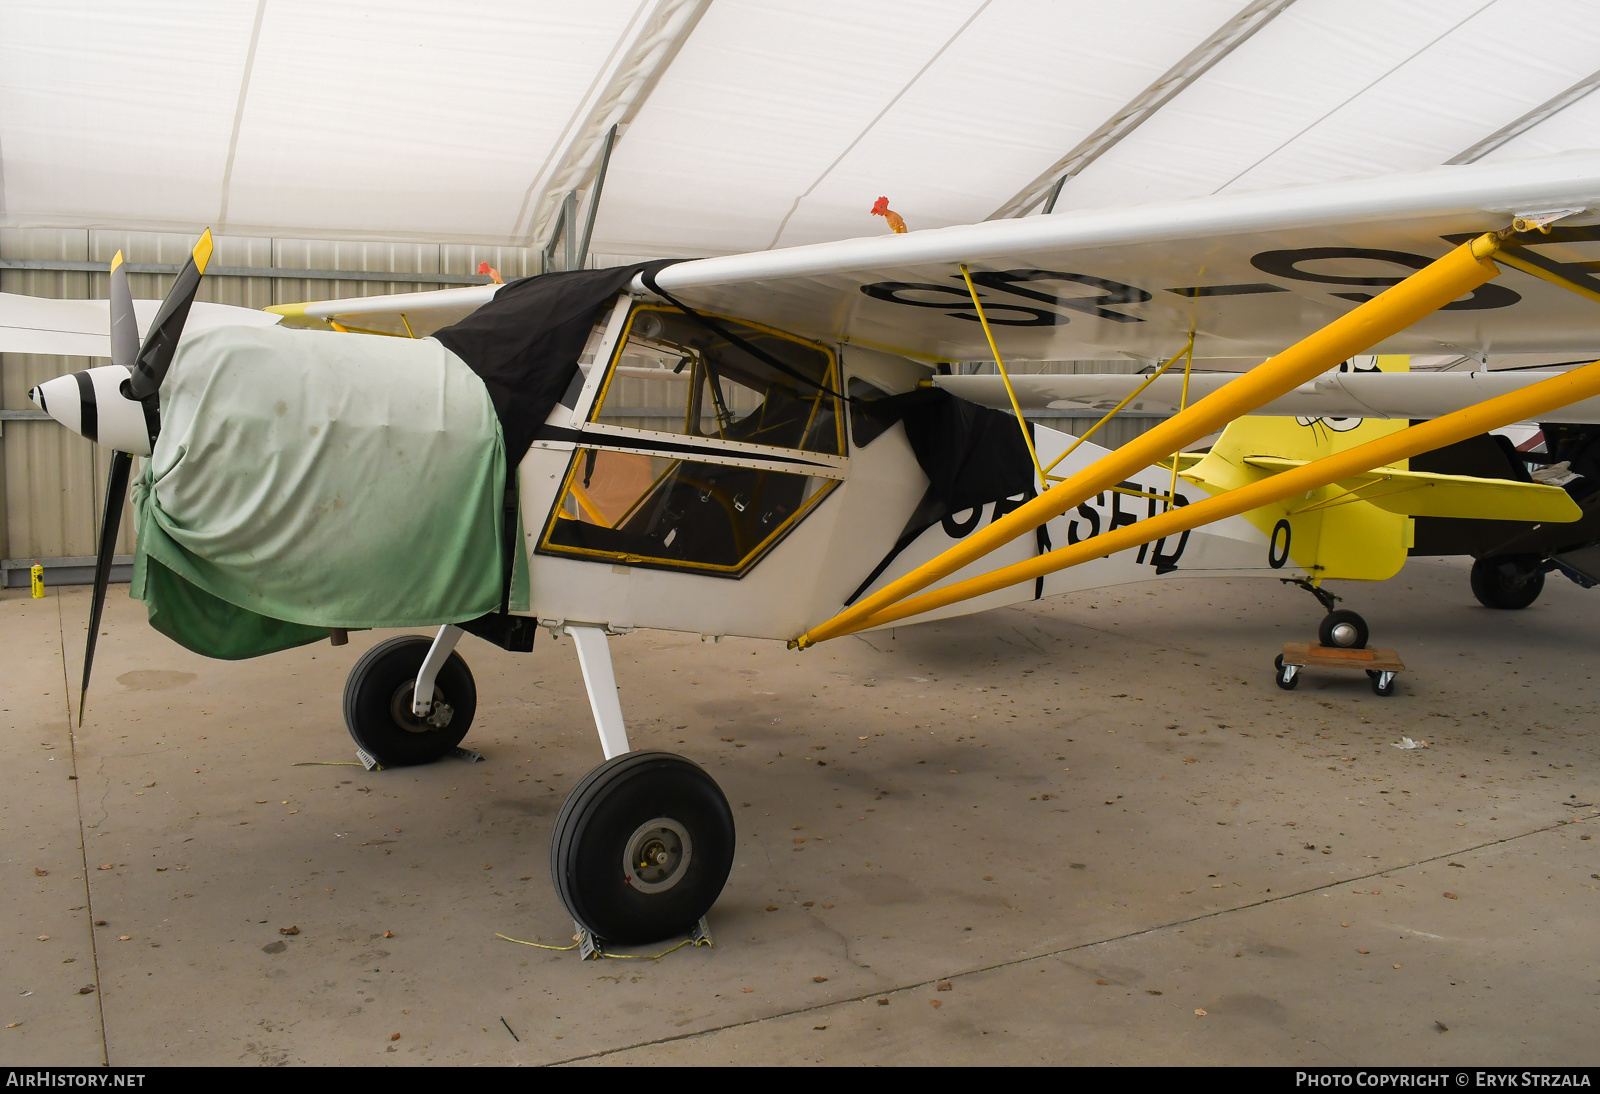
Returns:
<point x="1331" y="533"/>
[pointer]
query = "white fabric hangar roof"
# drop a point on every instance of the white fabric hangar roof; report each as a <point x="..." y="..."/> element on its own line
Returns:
<point x="749" y="124"/>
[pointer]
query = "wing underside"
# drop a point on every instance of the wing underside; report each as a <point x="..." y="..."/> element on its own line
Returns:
<point x="1249" y="273"/>
<point x="1397" y="395"/>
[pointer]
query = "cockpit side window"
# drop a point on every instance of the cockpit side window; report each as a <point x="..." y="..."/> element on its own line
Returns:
<point x="646" y="500"/>
<point x="865" y="426"/>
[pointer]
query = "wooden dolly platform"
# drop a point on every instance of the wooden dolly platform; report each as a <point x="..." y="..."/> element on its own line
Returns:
<point x="1381" y="666"/>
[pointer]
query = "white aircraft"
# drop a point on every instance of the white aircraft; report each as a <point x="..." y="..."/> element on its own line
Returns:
<point x="774" y="445"/>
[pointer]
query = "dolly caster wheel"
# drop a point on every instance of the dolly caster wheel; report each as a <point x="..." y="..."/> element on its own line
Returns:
<point x="1382" y="682"/>
<point x="377" y="703"/>
<point x="1288" y="676"/>
<point x="642" y="847"/>
<point x="1343" y="629"/>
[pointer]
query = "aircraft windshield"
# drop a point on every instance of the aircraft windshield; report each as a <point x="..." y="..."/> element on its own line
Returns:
<point x="673" y="375"/>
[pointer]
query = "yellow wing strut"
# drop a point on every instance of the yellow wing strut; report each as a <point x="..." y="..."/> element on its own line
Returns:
<point x="1388" y="313"/>
<point x="1529" y="403"/>
<point x="1027" y="435"/>
<point x="1112" y="413"/>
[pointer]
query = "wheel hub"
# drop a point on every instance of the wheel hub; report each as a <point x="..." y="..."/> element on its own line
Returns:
<point x="1344" y="634"/>
<point x="439" y="715"/>
<point x="657" y="855"/>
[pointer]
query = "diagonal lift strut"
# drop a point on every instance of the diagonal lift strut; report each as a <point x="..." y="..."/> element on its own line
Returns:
<point x="1424" y="292"/>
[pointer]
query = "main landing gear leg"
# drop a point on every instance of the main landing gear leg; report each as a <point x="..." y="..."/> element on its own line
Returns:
<point x="594" y="657"/>
<point x="444" y="644"/>
<point x="643" y="845"/>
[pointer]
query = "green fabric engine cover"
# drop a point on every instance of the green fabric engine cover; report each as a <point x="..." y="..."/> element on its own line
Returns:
<point x="304" y="480"/>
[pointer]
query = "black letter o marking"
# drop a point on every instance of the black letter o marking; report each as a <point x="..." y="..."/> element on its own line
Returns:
<point x="1277" y="556"/>
<point x="960" y="529"/>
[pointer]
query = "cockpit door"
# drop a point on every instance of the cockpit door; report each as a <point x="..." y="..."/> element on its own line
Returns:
<point x="695" y="454"/>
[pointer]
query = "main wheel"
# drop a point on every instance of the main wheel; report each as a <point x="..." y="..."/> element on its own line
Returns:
<point x="1507" y="583"/>
<point x="642" y="847"/>
<point x="1343" y="630"/>
<point x="377" y="703"/>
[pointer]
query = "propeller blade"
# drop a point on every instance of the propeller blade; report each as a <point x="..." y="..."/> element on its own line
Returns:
<point x="124" y="324"/>
<point x="116" y="495"/>
<point x="150" y="367"/>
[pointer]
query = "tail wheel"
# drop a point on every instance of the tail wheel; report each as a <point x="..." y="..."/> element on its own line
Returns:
<point x="377" y="703"/>
<point x="1507" y="583"/>
<point x="1343" y="629"/>
<point x="642" y="847"/>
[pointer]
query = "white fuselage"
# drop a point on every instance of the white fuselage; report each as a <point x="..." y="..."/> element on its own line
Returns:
<point x="810" y="575"/>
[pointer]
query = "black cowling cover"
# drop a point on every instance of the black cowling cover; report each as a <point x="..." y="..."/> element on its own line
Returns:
<point x="525" y="343"/>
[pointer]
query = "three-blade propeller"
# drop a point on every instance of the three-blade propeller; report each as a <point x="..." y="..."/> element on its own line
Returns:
<point x="147" y="366"/>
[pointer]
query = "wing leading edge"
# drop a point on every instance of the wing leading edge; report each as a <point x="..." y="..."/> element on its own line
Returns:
<point x="1252" y="272"/>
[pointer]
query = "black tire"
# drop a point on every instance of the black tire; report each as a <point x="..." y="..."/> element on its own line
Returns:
<point x="1380" y="688"/>
<point x="1343" y="629"/>
<point x="618" y="804"/>
<point x="1495" y="588"/>
<point x="1286" y="682"/>
<point x="377" y="703"/>
<point x="1277" y="662"/>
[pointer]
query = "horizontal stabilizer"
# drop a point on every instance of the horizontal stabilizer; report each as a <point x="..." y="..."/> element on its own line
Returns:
<point x="1421" y="494"/>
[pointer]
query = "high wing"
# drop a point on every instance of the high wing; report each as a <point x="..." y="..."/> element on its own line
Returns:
<point x="410" y="314"/>
<point x="78" y="328"/>
<point x="1401" y="395"/>
<point x="1250" y="273"/>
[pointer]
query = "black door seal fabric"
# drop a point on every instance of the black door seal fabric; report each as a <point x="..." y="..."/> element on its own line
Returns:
<point x="524" y="344"/>
<point x="971" y="454"/>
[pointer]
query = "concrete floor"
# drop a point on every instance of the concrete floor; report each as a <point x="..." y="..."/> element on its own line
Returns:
<point x="1090" y="830"/>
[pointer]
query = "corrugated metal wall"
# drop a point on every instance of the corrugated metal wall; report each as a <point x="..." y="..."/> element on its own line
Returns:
<point x="51" y="482"/>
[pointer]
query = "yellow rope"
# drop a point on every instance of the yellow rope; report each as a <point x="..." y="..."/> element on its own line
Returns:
<point x="1027" y="436"/>
<point x="538" y="945"/>
<point x="614" y="956"/>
